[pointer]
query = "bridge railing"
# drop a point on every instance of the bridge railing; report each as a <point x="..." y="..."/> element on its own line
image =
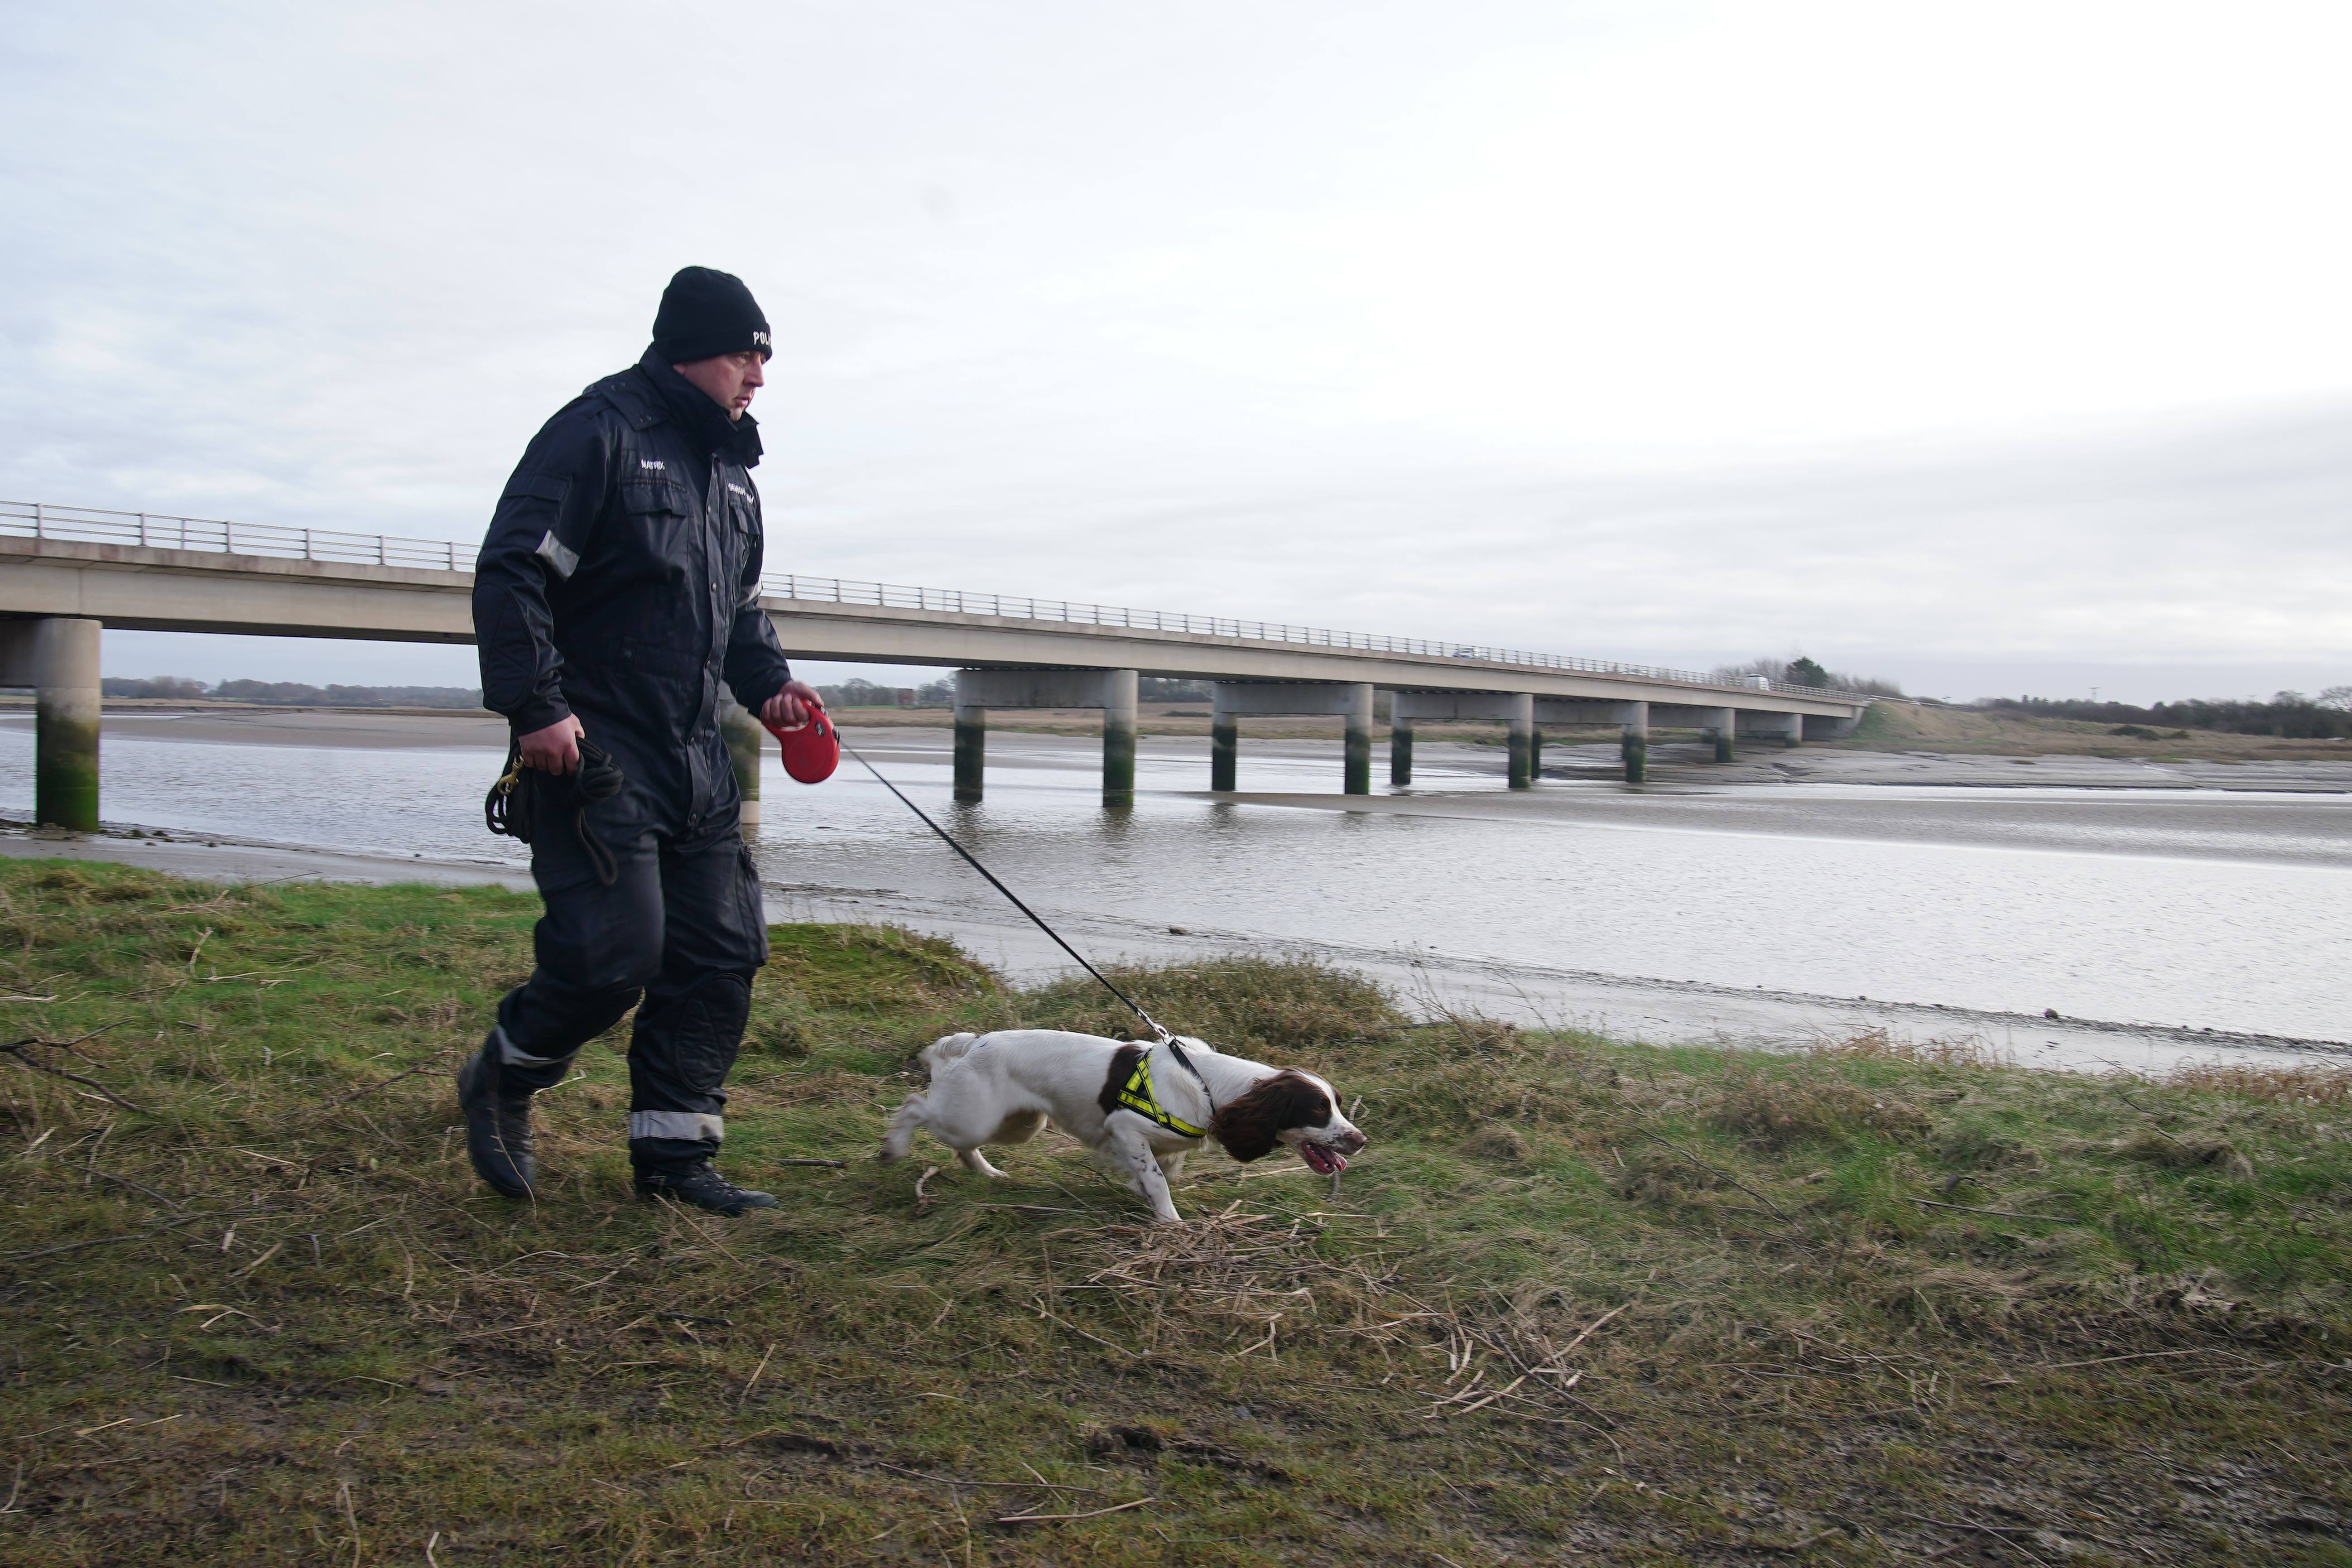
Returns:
<point x="952" y="601"/>
<point x="159" y="530"/>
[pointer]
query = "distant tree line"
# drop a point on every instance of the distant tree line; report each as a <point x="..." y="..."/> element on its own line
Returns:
<point x="1804" y="670"/>
<point x="861" y="693"/>
<point x="294" y="693"/>
<point x="2288" y="714"/>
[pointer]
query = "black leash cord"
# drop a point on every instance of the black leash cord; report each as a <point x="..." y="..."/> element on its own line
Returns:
<point x="511" y="808"/>
<point x="1149" y="1022"/>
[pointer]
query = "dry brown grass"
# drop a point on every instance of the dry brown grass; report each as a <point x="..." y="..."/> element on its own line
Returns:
<point x="1243" y="1274"/>
<point x="2159" y="1147"/>
<point x="1779" y="1114"/>
<point x="1498" y="1141"/>
<point x="1883" y="1045"/>
<point x="2320" y="1083"/>
<point x="1270" y="1008"/>
<point x="1901" y="725"/>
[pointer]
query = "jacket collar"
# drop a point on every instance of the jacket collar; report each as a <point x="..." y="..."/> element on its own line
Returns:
<point x="650" y="392"/>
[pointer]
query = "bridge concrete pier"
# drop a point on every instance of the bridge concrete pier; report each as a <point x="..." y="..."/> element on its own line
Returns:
<point x="1717" y="726"/>
<point x="1631" y="719"/>
<point x="1635" y="746"/>
<point x="1119" y="737"/>
<point x="1224" y="739"/>
<point x="1234" y="699"/>
<point x="971" y="740"/>
<point x="1112" y="691"/>
<point x="744" y="734"/>
<point x="58" y="656"/>
<point x="1521" y="711"/>
<point x="1356" y="773"/>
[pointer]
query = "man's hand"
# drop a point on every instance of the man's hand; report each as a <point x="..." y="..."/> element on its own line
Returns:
<point x="790" y="709"/>
<point x="554" y="750"/>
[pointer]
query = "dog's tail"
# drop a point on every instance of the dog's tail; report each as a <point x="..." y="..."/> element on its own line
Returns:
<point x="936" y="1057"/>
<point x="941" y="1052"/>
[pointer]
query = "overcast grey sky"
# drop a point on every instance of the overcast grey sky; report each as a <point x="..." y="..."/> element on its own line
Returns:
<point x="1985" y="347"/>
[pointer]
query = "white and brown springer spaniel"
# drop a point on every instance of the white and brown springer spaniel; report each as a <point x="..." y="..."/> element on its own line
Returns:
<point x="1001" y="1088"/>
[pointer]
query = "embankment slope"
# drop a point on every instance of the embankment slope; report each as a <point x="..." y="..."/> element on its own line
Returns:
<point x="1576" y="1298"/>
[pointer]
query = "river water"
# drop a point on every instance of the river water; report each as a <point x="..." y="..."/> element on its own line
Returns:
<point x="1750" y="911"/>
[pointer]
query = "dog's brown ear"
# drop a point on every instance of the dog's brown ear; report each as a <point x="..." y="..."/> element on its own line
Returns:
<point x="1248" y="1125"/>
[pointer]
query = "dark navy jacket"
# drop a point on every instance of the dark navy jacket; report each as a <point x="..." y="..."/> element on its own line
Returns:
<point x="620" y="582"/>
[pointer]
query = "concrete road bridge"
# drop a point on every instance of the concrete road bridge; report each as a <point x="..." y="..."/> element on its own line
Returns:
<point x="68" y="573"/>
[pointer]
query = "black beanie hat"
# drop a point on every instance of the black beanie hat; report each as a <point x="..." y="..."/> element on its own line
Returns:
<point x="705" y="313"/>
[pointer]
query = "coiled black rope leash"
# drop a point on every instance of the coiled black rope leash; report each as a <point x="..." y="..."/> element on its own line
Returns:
<point x="511" y="808"/>
<point x="1133" y="1007"/>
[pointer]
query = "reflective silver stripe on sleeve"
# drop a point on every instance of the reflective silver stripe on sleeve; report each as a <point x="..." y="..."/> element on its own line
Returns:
<point x="515" y="1056"/>
<point x="691" y="1125"/>
<point x="551" y="551"/>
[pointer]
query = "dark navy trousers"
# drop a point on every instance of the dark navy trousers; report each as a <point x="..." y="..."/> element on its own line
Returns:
<point x="678" y="935"/>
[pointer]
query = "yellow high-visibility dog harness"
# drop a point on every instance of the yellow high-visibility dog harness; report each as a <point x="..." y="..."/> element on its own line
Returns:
<point x="1137" y="1096"/>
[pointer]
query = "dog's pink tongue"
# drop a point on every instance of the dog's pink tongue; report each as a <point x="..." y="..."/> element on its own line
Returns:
<point x="1324" y="1161"/>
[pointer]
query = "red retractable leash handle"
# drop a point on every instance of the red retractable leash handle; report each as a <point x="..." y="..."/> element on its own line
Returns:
<point x="811" y="748"/>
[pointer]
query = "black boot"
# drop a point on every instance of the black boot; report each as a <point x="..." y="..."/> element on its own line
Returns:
<point x="497" y="1123"/>
<point x="700" y="1185"/>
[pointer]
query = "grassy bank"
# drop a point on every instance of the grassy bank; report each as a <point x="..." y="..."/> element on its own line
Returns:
<point x="1578" y="1299"/>
<point x="1902" y="726"/>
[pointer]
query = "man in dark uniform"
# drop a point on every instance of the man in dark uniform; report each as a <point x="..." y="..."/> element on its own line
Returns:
<point x="618" y="587"/>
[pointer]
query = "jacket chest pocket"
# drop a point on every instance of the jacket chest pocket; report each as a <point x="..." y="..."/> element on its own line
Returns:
<point x="742" y="507"/>
<point x="741" y="511"/>
<point x="661" y="526"/>
<point x="647" y="498"/>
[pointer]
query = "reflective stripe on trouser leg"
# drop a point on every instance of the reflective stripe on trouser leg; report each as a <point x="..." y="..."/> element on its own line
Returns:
<point x="688" y="1126"/>
<point x="514" y="1056"/>
<point x="685" y="1042"/>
